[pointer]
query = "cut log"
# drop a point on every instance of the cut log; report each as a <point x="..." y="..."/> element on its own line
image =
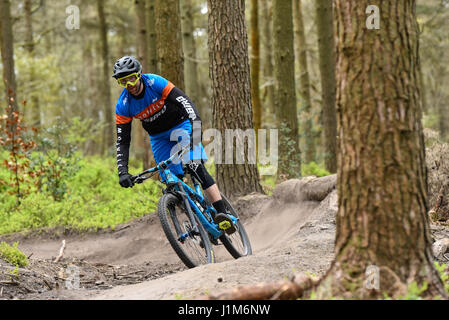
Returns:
<point x="280" y="290"/>
<point x="305" y="189"/>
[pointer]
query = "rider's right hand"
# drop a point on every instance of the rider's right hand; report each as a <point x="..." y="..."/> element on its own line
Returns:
<point x="125" y="180"/>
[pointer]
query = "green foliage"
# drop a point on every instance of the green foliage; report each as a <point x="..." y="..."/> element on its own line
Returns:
<point x="444" y="275"/>
<point x="56" y="159"/>
<point x="93" y="200"/>
<point x="16" y="146"/>
<point x="313" y="169"/>
<point x="13" y="255"/>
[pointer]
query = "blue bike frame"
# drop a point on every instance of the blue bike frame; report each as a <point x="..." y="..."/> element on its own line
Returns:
<point x="171" y="180"/>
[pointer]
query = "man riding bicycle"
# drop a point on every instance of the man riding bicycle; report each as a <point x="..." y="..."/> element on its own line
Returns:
<point x="169" y="117"/>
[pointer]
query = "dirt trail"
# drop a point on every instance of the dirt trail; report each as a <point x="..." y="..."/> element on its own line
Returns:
<point x="288" y="232"/>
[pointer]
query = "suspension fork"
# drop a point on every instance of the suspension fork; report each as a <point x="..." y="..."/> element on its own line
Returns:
<point x="188" y="208"/>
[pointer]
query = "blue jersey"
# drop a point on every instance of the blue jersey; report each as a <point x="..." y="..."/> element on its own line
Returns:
<point x="160" y="107"/>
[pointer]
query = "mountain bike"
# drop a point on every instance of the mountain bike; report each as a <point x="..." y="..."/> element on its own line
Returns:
<point x="187" y="218"/>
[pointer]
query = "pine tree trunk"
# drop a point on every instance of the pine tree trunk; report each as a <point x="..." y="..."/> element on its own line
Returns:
<point x="169" y="44"/>
<point x="151" y="37"/>
<point x="189" y="49"/>
<point x="142" y="56"/>
<point x="382" y="180"/>
<point x="267" y="61"/>
<point x="289" y="165"/>
<point x="255" y="66"/>
<point x="326" y="47"/>
<point x="306" y="114"/>
<point x="231" y="92"/>
<point x="7" y="51"/>
<point x="34" y="113"/>
<point x="108" y="133"/>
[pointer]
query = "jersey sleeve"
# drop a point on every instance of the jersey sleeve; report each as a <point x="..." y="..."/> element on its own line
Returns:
<point x="123" y="125"/>
<point x="160" y="85"/>
<point x="122" y="115"/>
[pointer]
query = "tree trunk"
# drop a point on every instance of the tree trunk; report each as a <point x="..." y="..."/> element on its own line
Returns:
<point x="188" y="44"/>
<point x="304" y="85"/>
<point x="143" y="56"/>
<point x="151" y="38"/>
<point x="169" y="44"/>
<point x="289" y="165"/>
<point x="7" y="50"/>
<point x="108" y="133"/>
<point x="267" y="61"/>
<point x="231" y="92"/>
<point x="326" y="47"/>
<point x="255" y="66"/>
<point x="34" y="113"/>
<point x="383" y="241"/>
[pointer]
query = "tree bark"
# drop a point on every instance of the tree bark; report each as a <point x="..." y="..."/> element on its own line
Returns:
<point x="326" y="48"/>
<point x="231" y="92"/>
<point x="108" y="133"/>
<point x="34" y="113"/>
<point x="280" y="290"/>
<point x="189" y="49"/>
<point x="143" y="55"/>
<point x="306" y="114"/>
<point x="7" y="51"/>
<point x="151" y="37"/>
<point x="289" y="165"/>
<point x="382" y="221"/>
<point x="267" y="61"/>
<point x="255" y="66"/>
<point x="169" y="44"/>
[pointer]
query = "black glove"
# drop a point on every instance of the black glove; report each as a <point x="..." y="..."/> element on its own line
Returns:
<point x="125" y="180"/>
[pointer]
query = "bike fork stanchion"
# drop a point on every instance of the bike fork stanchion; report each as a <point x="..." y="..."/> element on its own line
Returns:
<point x="188" y="208"/>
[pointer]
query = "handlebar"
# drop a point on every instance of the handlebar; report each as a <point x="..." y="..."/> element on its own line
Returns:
<point x="140" y="177"/>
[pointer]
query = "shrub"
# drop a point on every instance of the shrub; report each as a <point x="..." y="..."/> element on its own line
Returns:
<point x="13" y="255"/>
<point x="313" y="169"/>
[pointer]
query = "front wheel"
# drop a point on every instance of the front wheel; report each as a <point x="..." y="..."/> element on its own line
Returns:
<point x="237" y="244"/>
<point x="188" y="238"/>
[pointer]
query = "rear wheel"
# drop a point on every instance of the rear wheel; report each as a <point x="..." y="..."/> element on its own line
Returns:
<point x="188" y="238"/>
<point x="237" y="244"/>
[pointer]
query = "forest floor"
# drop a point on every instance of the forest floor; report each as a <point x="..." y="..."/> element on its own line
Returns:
<point x="289" y="234"/>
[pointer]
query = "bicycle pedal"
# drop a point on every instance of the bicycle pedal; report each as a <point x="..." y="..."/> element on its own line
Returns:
<point x="225" y="223"/>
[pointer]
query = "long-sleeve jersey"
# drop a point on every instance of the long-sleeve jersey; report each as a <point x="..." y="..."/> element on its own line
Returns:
<point x="160" y="107"/>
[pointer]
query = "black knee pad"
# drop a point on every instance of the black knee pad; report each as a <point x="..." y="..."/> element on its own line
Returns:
<point x="198" y="170"/>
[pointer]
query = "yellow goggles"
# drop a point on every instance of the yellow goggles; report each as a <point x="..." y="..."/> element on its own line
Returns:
<point x="131" y="79"/>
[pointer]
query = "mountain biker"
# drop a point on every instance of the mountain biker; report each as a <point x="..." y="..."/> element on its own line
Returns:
<point x="169" y="117"/>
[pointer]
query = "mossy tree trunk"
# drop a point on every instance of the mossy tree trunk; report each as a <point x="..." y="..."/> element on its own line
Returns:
<point x="189" y="49"/>
<point x="7" y="51"/>
<point x="266" y="27"/>
<point x="326" y="48"/>
<point x="382" y="184"/>
<point x="255" y="66"/>
<point x="34" y="113"/>
<point x="108" y="133"/>
<point x="306" y="114"/>
<point x="289" y="164"/>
